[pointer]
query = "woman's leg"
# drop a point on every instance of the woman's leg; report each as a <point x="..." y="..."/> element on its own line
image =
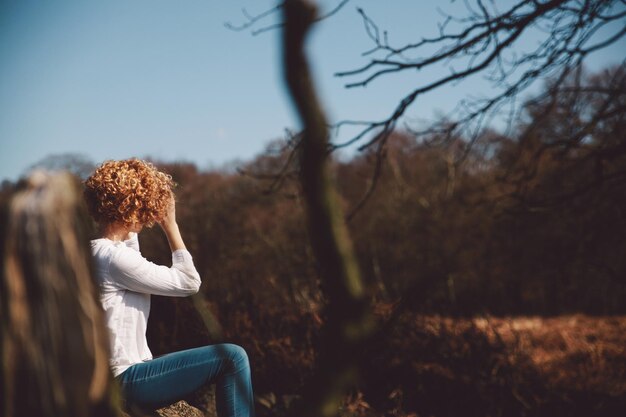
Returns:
<point x="174" y="376"/>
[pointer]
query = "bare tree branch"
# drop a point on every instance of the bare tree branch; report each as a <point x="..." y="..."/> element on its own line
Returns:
<point x="252" y="20"/>
<point x="380" y="156"/>
<point x="483" y="42"/>
<point x="485" y="45"/>
<point x="288" y="169"/>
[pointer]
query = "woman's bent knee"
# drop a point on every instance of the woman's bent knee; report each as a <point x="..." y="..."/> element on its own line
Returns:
<point x="236" y="355"/>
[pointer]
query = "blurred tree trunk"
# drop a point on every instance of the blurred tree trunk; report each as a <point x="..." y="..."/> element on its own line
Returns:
<point x="348" y="322"/>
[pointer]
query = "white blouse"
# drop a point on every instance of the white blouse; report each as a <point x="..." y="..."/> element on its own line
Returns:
<point x="126" y="281"/>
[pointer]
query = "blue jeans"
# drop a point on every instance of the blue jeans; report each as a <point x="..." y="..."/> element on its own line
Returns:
<point x="172" y="377"/>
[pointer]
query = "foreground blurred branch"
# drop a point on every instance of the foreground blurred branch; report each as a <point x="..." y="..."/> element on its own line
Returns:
<point x="348" y="323"/>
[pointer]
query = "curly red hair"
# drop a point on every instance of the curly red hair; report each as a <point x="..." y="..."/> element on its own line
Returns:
<point x="130" y="192"/>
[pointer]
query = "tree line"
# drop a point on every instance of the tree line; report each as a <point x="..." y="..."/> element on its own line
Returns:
<point x="526" y="224"/>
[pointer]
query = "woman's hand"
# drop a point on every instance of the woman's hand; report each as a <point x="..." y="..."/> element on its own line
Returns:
<point x="170" y="227"/>
<point x="170" y="217"/>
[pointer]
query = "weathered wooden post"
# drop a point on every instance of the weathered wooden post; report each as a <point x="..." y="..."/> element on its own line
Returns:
<point x="54" y="343"/>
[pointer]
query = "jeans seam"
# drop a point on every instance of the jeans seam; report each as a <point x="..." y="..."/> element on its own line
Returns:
<point x="146" y="378"/>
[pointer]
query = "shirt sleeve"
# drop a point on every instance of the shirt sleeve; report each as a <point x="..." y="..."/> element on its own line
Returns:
<point x="132" y="242"/>
<point x="130" y="270"/>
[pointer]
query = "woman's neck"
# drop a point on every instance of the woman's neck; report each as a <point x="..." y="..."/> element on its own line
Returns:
<point x="115" y="231"/>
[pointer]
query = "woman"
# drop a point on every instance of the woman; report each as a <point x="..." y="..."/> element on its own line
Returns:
<point x="123" y="197"/>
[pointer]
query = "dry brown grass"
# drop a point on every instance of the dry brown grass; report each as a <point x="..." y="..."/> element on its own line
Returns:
<point x="573" y="352"/>
<point x="511" y="366"/>
<point x="438" y="366"/>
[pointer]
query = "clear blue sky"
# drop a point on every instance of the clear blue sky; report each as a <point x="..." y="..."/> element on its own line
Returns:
<point x="165" y="79"/>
